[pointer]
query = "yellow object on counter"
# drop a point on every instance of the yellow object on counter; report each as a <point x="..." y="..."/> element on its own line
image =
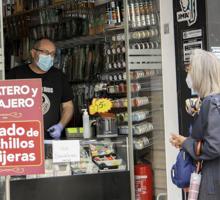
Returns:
<point x="74" y="131"/>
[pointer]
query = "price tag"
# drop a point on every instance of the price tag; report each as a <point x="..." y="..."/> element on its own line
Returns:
<point x="66" y="151"/>
<point x="100" y="106"/>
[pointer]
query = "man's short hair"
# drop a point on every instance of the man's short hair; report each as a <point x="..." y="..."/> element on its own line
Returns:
<point x="37" y="43"/>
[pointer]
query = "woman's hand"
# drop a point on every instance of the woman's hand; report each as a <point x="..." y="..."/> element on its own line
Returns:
<point x="177" y="140"/>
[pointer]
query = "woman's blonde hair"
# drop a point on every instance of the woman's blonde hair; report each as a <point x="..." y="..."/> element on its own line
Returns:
<point x="205" y="72"/>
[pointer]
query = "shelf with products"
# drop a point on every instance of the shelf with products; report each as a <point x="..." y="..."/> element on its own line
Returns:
<point x="140" y="14"/>
<point x="69" y="21"/>
<point x="145" y="31"/>
<point x="70" y="9"/>
<point x="65" y="12"/>
<point x="81" y="63"/>
<point x="138" y="88"/>
<point x="60" y="22"/>
<point x="139" y="116"/>
<point x="137" y="129"/>
<point x="142" y="38"/>
<point x="122" y="106"/>
<point x="16" y="8"/>
<point x="8" y="10"/>
<point x="142" y="142"/>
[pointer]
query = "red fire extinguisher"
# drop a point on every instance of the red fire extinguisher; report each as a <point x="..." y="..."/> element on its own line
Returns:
<point x="143" y="182"/>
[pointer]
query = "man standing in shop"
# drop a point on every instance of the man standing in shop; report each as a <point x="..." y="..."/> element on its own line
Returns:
<point x="57" y="105"/>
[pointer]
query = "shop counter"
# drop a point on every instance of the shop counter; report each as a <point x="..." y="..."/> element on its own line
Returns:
<point x="101" y="186"/>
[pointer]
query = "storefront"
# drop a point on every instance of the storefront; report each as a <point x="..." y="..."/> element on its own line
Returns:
<point x="107" y="52"/>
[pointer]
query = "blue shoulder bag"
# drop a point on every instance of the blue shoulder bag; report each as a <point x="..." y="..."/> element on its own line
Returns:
<point x="182" y="169"/>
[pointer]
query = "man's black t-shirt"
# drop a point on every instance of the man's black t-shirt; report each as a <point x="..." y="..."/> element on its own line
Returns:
<point x="56" y="90"/>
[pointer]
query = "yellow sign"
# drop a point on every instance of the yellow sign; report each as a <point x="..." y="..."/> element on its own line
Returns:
<point x="100" y="106"/>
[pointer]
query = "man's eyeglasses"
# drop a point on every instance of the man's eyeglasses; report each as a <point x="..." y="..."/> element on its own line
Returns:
<point x="46" y="52"/>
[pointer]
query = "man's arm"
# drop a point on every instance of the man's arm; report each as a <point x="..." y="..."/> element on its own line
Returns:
<point x="67" y="110"/>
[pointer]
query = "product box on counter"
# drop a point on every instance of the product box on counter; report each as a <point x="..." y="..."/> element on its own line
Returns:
<point x="107" y="162"/>
<point x="104" y="156"/>
<point x="74" y="132"/>
<point x="85" y="165"/>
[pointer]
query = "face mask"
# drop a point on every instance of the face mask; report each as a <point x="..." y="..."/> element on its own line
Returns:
<point x="45" y="62"/>
<point x="189" y="81"/>
<point x="189" y="84"/>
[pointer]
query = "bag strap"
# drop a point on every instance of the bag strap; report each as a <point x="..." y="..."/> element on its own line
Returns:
<point x="198" y="151"/>
<point x="198" y="148"/>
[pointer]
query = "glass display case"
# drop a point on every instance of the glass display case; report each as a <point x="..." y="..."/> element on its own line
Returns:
<point x="141" y="80"/>
<point x="144" y="71"/>
<point x="151" y="93"/>
<point x="101" y="173"/>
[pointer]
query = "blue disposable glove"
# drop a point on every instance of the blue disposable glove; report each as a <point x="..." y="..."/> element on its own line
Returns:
<point x="55" y="130"/>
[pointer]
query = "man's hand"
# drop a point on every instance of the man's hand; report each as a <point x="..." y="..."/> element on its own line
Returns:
<point x="55" y="130"/>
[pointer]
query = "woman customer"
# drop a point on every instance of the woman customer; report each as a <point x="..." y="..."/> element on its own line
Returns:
<point x="204" y="78"/>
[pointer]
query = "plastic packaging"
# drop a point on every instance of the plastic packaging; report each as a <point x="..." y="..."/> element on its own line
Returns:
<point x="86" y="124"/>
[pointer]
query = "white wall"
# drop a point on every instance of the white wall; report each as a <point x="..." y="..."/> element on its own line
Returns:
<point x="169" y="91"/>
